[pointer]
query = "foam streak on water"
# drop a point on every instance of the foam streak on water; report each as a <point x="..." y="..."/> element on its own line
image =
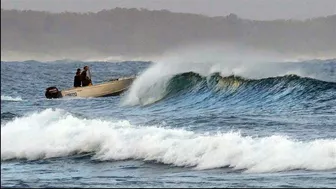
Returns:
<point x="9" y="98"/>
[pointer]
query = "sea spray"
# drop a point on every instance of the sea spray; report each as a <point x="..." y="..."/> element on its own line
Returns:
<point x="205" y="60"/>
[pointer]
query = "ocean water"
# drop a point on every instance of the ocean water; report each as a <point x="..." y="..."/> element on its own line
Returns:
<point x="190" y="124"/>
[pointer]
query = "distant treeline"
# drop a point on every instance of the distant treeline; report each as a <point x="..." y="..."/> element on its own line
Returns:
<point x="123" y="31"/>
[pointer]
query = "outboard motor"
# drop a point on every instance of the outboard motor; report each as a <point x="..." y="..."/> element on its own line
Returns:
<point x="53" y="92"/>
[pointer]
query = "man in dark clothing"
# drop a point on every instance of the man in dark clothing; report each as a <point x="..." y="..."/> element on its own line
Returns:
<point x="85" y="76"/>
<point x="77" y="78"/>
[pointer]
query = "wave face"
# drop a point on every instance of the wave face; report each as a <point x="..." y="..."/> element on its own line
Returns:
<point x="273" y="88"/>
<point x="289" y="91"/>
<point x="57" y="133"/>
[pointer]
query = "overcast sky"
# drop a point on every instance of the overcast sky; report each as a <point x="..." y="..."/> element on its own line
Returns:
<point x="252" y="9"/>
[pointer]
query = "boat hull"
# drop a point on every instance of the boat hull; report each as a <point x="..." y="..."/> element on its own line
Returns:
<point x="111" y="88"/>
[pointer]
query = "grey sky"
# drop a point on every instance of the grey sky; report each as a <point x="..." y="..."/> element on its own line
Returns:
<point x="252" y="9"/>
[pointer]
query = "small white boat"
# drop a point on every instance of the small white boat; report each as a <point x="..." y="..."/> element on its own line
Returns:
<point x="110" y="88"/>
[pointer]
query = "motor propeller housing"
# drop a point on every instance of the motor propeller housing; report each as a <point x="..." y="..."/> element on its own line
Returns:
<point x="53" y="92"/>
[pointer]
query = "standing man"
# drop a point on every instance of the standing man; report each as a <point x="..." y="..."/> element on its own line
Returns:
<point x="86" y="77"/>
<point x="77" y="78"/>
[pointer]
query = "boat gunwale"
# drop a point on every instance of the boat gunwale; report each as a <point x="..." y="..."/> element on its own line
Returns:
<point x="97" y="85"/>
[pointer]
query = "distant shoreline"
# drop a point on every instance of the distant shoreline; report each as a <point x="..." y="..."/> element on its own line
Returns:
<point x="138" y="34"/>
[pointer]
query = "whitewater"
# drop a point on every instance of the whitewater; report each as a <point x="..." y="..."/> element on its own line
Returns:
<point x="188" y="120"/>
<point x="119" y="140"/>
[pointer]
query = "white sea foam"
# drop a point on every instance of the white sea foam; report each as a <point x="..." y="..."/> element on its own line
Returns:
<point x="56" y="133"/>
<point x="9" y="98"/>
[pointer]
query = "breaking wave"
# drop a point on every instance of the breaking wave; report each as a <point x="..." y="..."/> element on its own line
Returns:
<point x="57" y="133"/>
<point x="271" y="89"/>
